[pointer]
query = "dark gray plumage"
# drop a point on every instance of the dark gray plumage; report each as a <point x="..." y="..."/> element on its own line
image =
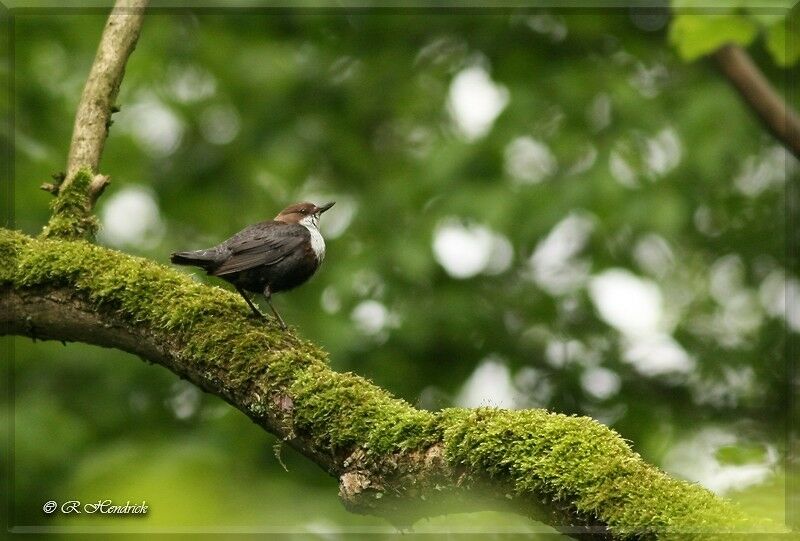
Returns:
<point x="268" y="257"/>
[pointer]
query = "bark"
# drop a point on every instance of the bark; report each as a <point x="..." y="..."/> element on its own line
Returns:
<point x="102" y="86"/>
<point x="390" y="459"/>
<point x="776" y="115"/>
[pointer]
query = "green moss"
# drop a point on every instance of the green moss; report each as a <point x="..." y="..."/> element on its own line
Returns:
<point x="579" y="461"/>
<point x="11" y="242"/>
<point x="71" y="217"/>
<point x="144" y="292"/>
<point x="572" y="462"/>
<point x="343" y="410"/>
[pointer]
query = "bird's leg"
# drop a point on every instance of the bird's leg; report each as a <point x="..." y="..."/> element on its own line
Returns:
<point x="252" y="306"/>
<point x="268" y="296"/>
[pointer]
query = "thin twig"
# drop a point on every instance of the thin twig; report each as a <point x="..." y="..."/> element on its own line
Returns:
<point x="778" y="117"/>
<point x="93" y="117"/>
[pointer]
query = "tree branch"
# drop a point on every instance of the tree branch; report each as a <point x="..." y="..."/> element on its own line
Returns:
<point x="93" y="117"/>
<point x="390" y="459"/>
<point x="777" y="116"/>
<point x="73" y="218"/>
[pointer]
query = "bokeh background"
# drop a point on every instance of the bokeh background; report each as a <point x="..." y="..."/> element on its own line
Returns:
<point x="535" y="208"/>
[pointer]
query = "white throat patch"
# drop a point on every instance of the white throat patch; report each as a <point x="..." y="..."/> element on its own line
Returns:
<point x="317" y="242"/>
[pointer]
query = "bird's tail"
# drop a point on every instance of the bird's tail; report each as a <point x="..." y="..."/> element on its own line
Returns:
<point x="200" y="258"/>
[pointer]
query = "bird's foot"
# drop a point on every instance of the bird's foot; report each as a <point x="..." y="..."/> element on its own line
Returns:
<point x="255" y="314"/>
<point x="268" y="296"/>
<point x="263" y="317"/>
<point x="282" y="324"/>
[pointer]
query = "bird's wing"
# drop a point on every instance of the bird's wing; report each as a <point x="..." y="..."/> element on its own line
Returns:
<point x="264" y="244"/>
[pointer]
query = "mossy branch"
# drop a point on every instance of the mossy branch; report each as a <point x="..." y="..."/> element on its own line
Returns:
<point x="71" y="211"/>
<point x="92" y="121"/>
<point x="571" y="472"/>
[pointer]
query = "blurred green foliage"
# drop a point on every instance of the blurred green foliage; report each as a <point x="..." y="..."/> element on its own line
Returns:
<point x="648" y="164"/>
<point x="698" y="29"/>
<point x="690" y="33"/>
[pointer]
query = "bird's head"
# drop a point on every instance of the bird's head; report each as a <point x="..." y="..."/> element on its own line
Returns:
<point x="303" y="213"/>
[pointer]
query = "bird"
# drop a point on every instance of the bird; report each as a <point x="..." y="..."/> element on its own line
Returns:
<point x="268" y="257"/>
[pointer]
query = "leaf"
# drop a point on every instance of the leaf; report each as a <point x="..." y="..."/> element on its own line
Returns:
<point x="701" y="34"/>
<point x="785" y="53"/>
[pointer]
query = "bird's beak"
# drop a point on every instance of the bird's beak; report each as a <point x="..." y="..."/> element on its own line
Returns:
<point x="325" y="207"/>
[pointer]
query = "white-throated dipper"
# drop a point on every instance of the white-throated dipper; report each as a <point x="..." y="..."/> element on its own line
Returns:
<point x="268" y="257"/>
